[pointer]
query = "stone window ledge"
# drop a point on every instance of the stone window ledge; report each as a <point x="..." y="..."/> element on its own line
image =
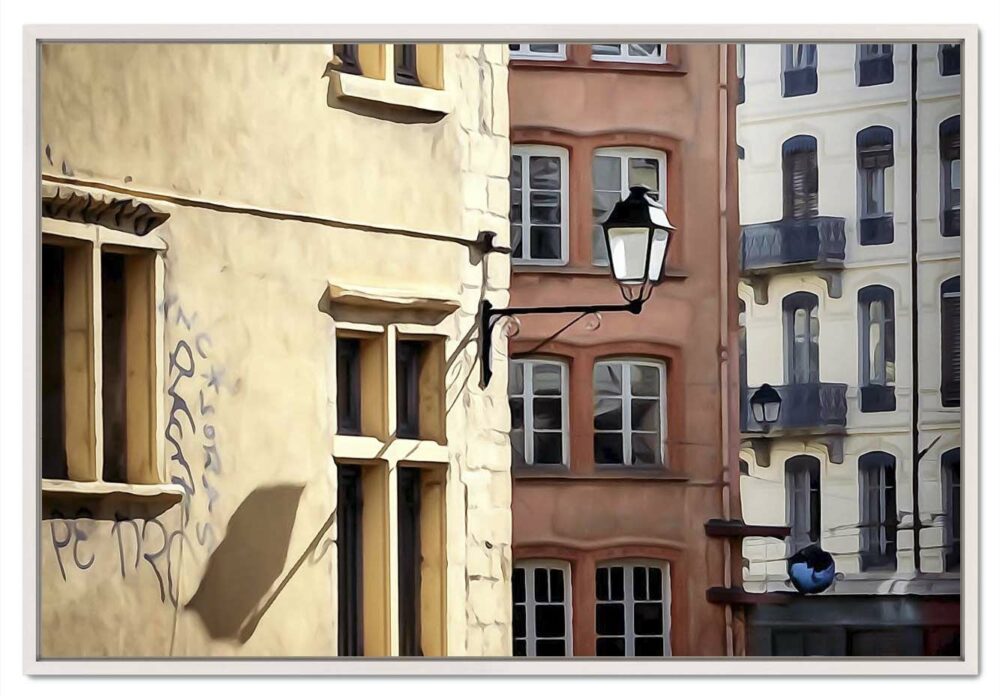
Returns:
<point x="158" y="492"/>
<point x="424" y="99"/>
<point x="364" y="448"/>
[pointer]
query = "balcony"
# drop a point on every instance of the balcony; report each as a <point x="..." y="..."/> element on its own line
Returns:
<point x="789" y="245"/>
<point x="816" y="408"/>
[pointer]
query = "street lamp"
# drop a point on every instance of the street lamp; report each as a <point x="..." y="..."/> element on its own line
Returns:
<point x="765" y="404"/>
<point x="637" y="234"/>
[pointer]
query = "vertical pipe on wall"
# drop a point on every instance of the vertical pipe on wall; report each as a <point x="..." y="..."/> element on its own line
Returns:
<point x="914" y="314"/>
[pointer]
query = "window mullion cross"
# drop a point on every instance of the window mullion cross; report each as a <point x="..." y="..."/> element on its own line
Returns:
<point x="627" y="413"/>
<point x="529" y="411"/>
<point x="629" y="611"/>
<point x="526" y="207"/>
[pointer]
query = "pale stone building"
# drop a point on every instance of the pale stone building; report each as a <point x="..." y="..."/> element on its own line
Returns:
<point x="263" y="430"/>
<point x="829" y="319"/>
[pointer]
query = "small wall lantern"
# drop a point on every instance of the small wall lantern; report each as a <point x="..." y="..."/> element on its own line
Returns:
<point x="765" y="405"/>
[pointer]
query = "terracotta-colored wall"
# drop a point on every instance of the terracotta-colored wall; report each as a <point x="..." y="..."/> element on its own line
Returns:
<point x="585" y="515"/>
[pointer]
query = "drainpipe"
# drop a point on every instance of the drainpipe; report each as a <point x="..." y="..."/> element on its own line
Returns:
<point x="724" y="333"/>
<point x="914" y="314"/>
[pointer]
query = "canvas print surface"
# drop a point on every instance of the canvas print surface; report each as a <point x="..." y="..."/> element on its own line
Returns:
<point x="509" y="350"/>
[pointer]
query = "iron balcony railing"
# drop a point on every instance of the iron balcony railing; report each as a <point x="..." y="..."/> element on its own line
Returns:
<point x="816" y="407"/>
<point x="767" y="247"/>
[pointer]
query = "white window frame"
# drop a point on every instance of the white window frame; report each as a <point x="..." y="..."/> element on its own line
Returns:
<point x="526" y="152"/>
<point x="529" y="566"/>
<point x="623" y="55"/>
<point x="629" y="600"/>
<point x="527" y="397"/>
<point x="527" y="54"/>
<point x="624" y="154"/>
<point x="626" y="430"/>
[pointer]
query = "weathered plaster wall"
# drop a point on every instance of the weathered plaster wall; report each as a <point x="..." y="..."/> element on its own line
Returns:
<point x="246" y="565"/>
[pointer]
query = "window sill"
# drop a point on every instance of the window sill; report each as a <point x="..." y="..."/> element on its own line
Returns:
<point x="158" y="492"/>
<point x="582" y="271"/>
<point x="365" y="448"/>
<point x="618" y="474"/>
<point x="608" y="65"/>
<point x="368" y="89"/>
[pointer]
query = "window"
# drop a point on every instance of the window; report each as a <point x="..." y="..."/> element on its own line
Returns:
<point x="877" y="479"/>
<point x="875" y="161"/>
<point x="538" y="205"/>
<point x="420" y="556"/>
<point x="405" y="58"/>
<point x="538" y="51"/>
<point x="361" y="384"/>
<point x="347" y="58"/>
<point x="420" y="389"/>
<point x="615" y="170"/>
<point x="874" y="64"/>
<point x="798" y="69"/>
<point x="951" y="485"/>
<point x="878" y="348"/>
<point x="741" y="63"/>
<point x="950" y="141"/>
<point x="629" y="408"/>
<point x="542" y="609"/>
<point x="801" y="327"/>
<point x="630" y="52"/>
<point x="362" y="568"/>
<point x="950" y="59"/>
<point x="802" y="501"/>
<point x="951" y="342"/>
<point x="800" y="175"/>
<point x="350" y="571"/>
<point x="633" y="609"/>
<point x="127" y="348"/>
<point x="538" y="395"/>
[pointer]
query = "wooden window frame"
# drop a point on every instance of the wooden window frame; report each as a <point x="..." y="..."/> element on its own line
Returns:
<point x="627" y="398"/>
<point x="624" y="154"/>
<point x="527" y="568"/>
<point x="526" y="152"/>
<point x="144" y="339"/>
<point x="372" y="383"/>
<point x="623" y="56"/>
<point x="528" y="397"/>
<point x="430" y="387"/>
<point x="628" y="564"/>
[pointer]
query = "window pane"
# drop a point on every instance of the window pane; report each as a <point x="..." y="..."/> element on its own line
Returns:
<point x="546" y="242"/>
<point x="645" y="448"/>
<point x="610" y="647"/>
<point x="608" y="414"/>
<point x="520" y="626"/>
<point x="644" y="50"/>
<point x="646" y="414"/>
<point x="550" y="648"/>
<point x="545" y="208"/>
<point x="548" y="448"/>
<point x="520" y="648"/>
<point x="544" y="48"/>
<point x="607" y="173"/>
<point x="517" y="249"/>
<point x="518" y="582"/>
<point x="608" y="379"/>
<point x="550" y="621"/>
<point x="639" y="582"/>
<point x="515" y="380"/>
<point x="956" y="174"/>
<point x="547" y="413"/>
<point x="556" y="583"/>
<point x="544" y="172"/>
<point x="655" y="583"/>
<point x="606" y="49"/>
<point x="515" y="171"/>
<point x="648" y="618"/>
<point x="644" y="171"/>
<point x="608" y="448"/>
<point x="611" y="619"/>
<point x="541" y="580"/>
<point x="517" y="444"/>
<point x="516" y="413"/>
<point x="649" y="647"/>
<point x="603" y="584"/>
<point x="546" y="379"/>
<point x="617" y="582"/>
<point x="645" y="380"/>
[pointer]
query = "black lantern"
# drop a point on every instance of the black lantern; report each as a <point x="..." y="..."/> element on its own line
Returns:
<point x="637" y="234"/>
<point x="765" y="404"/>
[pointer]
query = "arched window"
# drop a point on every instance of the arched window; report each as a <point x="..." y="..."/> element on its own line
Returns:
<point x="539" y="207"/>
<point x="877" y="483"/>
<point x="951" y="488"/>
<point x="951" y="342"/>
<point x="615" y="170"/>
<point x="800" y="177"/>
<point x="876" y="313"/>
<point x="950" y="142"/>
<point x="801" y="328"/>
<point x="875" y="161"/>
<point x="802" y="501"/>
<point x="798" y="69"/>
<point x="630" y="406"/>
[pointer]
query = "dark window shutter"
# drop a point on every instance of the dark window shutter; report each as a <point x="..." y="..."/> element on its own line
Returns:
<point x="801" y="177"/>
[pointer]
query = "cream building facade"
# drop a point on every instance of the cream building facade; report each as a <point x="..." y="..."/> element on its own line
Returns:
<point x="263" y="431"/>
<point x="828" y="318"/>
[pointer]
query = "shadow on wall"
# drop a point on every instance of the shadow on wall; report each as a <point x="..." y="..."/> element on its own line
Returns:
<point x="246" y="563"/>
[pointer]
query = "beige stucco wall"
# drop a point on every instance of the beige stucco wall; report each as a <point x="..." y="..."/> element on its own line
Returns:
<point x="276" y="189"/>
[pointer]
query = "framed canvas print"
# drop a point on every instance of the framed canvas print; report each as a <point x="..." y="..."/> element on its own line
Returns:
<point x="557" y="350"/>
